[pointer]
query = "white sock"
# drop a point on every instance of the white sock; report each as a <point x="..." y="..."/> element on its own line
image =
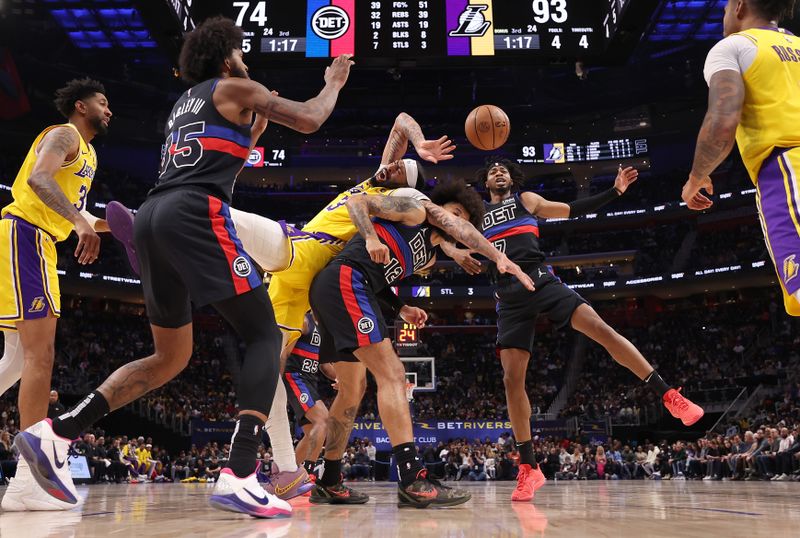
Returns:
<point x="280" y="435"/>
<point x="263" y="239"/>
<point x="12" y="361"/>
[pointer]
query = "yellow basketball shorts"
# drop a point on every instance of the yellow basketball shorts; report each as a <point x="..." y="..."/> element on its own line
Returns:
<point x="288" y="289"/>
<point x="28" y="279"/>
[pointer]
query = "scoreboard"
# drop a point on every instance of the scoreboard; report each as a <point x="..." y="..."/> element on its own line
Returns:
<point x="571" y="152"/>
<point x="394" y="30"/>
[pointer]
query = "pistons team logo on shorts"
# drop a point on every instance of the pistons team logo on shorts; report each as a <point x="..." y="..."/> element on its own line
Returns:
<point x="241" y="266"/>
<point x="304" y="398"/>
<point x="365" y="325"/>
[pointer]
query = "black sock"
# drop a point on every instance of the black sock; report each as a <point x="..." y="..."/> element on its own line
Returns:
<point x="657" y="384"/>
<point x="408" y="463"/>
<point x="526" y="454"/>
<point x="79" y="418"/>
<point x="244" y="445"/>
<point x="309" y="466"/>
<point x="332" y="474"/>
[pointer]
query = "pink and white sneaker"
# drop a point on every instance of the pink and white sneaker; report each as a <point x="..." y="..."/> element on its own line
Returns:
<point x="246" y="496"/>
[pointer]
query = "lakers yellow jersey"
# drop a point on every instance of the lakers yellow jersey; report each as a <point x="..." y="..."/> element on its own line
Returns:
<point x="771" y="111"/>
<point x="74" y="178"/>
<point x="335" y="220"/>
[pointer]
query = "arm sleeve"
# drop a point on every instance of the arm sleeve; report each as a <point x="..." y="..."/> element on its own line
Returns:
<point x="734" y="53"/>
<point x="583" y="206"/>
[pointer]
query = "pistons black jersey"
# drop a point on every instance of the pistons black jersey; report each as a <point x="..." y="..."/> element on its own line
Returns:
<point x="513" y="231"/>
<point x="202" y="148"/>
<point x="410" y="250"/>
<point x="304" y="358"/>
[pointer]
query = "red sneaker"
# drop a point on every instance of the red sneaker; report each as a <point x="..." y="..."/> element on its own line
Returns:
<point x="528" y="481"/>
<point x="682" y="408"/>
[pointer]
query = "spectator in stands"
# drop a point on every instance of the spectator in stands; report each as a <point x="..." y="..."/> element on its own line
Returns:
<point x="54" y="407"/>
<point x="789" y="447"/>
<point x="360" y="466"/>
<point x="180" y="467"/>
<point x="372" y="454"/>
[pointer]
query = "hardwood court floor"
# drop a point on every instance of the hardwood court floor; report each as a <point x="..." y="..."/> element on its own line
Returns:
<point x="570" y="509"/>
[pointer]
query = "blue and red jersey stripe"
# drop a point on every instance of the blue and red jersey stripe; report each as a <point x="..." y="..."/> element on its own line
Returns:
<point x="357" y="304"/>
<point x="513" y="230"/>
<point x="298" y="389"/>
<point x="399" y="246"/>
<point x="222" y="226"/>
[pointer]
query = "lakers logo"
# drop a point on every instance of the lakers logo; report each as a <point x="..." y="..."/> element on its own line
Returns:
<point x="472" y="22"/>
<point x="790" y="268"/>
<point x="37" y="305"/>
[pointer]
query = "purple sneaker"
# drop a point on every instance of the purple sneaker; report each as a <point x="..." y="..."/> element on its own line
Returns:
<point x="120" y="220"/>
<point x="245" y="496"/>
<point x="288" y="485"/>
<point x="46" y="454"/>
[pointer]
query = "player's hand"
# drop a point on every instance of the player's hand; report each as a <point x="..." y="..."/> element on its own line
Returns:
<point x="693" y="196"/>
<point x="625" y="176"/>
<point x="436" y="150"/>
<point x="413" y="315"/>
<point x="88" y="242"/>
<point x="336" y="74"/>
<point x="464" y="260"/>
<point x="506" y="266"/>
<point x="378" y="252"/>
<point x="260" y="123"/>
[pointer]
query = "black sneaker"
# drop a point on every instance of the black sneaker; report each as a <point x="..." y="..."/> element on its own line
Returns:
<point x="337" y="494"/>
<point x="424" y="492"/>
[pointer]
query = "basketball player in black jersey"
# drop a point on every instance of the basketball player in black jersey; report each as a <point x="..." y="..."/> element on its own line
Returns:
<point x="189" y="253"/>
<point x="301" y="378"/>
<point x="346" y="298"/>
<point x="511" y="225"/>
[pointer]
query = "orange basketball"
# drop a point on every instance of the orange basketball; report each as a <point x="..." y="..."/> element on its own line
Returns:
<point x="487" y="127"/>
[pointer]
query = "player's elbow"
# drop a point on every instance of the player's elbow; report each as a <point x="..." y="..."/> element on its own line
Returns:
<point x="308" y="125"/>
<point x="36" y="180"/>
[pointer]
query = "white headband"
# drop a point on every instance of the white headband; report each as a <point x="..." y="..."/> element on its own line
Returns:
<point x="412" y="172"/>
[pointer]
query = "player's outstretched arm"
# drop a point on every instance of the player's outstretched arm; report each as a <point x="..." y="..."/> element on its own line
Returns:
<point x="462" y="257"/>
<point x="405" y="130"/>
<point x="466" y="234"/>
<point x="408" y="211"/>
<point x="98" y="225"/>
<point x="305" y="117"/>
<point x="717" y="135"/>
<point x="55" y="147"/>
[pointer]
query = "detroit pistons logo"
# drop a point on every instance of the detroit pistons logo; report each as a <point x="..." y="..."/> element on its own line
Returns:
<point x="330" y="22"/>
<point x="242" y="267"/>
<point x="365" y="325"/>
<point x="304" y="398"/>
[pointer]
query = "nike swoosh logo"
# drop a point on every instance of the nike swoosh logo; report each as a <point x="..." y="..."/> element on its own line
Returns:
<point x="280" y="491"/>
<point x="427" y="494"/>
<point x="263" y="501"/>
<point x="59" y="464"/>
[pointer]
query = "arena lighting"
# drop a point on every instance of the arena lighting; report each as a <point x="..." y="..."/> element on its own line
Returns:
<point x="105" y="28"/>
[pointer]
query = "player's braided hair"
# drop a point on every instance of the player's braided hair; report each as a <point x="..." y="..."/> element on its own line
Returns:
<point x="514" y="170"/>
<point x="206" y="48"/>
<point x="458" y="191"/>
<point x="76" y="90"/>
<point x="775" y="10"/>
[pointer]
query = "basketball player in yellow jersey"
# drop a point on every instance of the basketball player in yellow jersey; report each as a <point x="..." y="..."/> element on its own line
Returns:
<point x="49" y="201"/>
<point x="754" y="97"/>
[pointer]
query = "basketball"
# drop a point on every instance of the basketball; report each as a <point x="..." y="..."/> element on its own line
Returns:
<point x="487" y="127"/>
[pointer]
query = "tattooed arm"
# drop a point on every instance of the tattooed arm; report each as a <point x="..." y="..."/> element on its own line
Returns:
<point x="466" y="234"/>
<point x="405" y="130"/>
<point x="57" y="147"/>
<point x="305" y="117"/>
<point x="408" y="211"/>
<point x="717" y="135"/>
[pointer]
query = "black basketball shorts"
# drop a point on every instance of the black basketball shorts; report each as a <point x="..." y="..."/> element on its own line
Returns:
<point x="302" y="394"/>
<point x="518" y="308"/>
<point x="348" y="312"/>
<point x="189" y="253"/>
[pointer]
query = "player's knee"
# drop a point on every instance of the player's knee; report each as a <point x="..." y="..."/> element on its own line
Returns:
<point x="42" y="353"/>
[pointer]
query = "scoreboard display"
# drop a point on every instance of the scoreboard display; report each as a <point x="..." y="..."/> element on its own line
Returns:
<point x="571" y="152"/>
<point x="418" y="29"/>
<point x="406" y="338"/>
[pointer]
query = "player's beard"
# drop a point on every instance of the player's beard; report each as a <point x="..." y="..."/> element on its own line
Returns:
<point x="239" y="72"/>
<point x="99" y="127"/>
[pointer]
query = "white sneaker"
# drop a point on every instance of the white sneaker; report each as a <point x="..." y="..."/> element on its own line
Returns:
<point x="783" y="478"/>
<point x="47" y="455"/>
<point x="18" y="488"/>
<point x="246" y="496"/>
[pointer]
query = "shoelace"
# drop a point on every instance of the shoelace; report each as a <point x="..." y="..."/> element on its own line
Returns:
<point x="678" y="400"/>
<point x="522" y="476"/>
